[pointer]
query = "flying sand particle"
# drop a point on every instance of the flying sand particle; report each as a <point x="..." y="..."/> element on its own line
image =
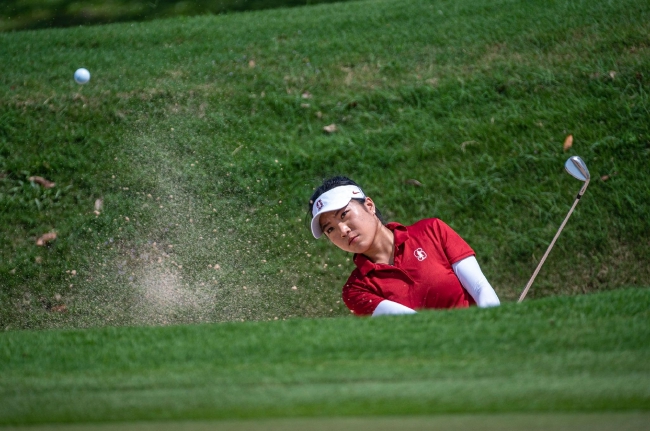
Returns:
<point x="59" y="308"/>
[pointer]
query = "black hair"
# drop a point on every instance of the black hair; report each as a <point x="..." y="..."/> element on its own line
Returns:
<point x="333" y="182"/>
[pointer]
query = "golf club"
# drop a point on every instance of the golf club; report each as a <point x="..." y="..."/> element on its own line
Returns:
<point x="577" y="168"/>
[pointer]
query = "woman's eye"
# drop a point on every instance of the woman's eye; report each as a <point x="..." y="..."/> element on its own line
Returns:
<point x="343" y="214"/>
<point x="329" y="230"/>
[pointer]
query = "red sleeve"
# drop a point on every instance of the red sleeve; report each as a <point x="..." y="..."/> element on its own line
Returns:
<point x="454" y="247"/>
<point x="358" y="298"/>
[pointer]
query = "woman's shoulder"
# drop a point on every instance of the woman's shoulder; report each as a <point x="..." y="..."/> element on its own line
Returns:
<point x="356" y="280"/>
<point x="356" y="274"/>
<point x="431" y="227"/>
<point x="418" y="224"/>
<point x="430" y="220"/>
<point x="427" y="223"/>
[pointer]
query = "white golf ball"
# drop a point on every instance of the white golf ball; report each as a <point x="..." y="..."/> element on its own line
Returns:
<point x="81" y="76"/>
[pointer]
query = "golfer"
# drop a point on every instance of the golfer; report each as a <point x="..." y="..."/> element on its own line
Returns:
<point x="399" y="269"/>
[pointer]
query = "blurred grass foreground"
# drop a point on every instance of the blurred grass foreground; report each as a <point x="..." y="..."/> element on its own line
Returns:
<point x="35" y="14"/>
<point x="551" y="357"/>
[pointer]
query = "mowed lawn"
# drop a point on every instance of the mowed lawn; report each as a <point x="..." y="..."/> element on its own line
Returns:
<point x="560" y="355"/>
<point x="620" y="421"/>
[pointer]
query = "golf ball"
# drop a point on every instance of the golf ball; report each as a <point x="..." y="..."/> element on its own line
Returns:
<point x="81" y="76"/>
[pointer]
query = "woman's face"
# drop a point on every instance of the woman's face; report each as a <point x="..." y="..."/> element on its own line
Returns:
<point x="353" y="227"/>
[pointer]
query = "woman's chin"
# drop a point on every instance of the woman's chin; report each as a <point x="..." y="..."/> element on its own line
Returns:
<point x="358" y="247"/>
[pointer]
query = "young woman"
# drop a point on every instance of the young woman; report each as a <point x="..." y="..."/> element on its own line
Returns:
<point x="399" y="269"/>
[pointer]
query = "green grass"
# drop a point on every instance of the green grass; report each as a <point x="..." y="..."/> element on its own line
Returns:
<point x="472" y="99"/>
<point x="622" y="421"/>
<point x="558" y="355"/>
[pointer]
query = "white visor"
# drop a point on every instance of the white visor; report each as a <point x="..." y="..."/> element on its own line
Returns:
<point x="332" y="200"/>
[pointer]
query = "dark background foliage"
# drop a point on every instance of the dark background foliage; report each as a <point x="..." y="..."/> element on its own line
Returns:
<point x="34" y="14"/>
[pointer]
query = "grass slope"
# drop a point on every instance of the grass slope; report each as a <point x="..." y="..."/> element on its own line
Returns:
<point x="195" y="135"/>
<point x="563" y="354"/>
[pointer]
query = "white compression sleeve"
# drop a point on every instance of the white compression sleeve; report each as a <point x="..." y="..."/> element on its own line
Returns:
<point x="473" y="280"/>
<point x="387" y="307"/>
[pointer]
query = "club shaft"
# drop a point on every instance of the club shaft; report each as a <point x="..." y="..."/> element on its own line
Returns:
<point x="548" y="250"/>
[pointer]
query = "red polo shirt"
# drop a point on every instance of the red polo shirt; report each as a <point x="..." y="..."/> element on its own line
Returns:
<point x="421" y="275"/>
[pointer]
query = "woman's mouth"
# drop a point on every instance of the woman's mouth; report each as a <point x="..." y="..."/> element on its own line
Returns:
<point x="352" y="239"/>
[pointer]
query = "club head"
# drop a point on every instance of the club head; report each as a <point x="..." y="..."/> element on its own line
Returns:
<point x="577" y="168"/>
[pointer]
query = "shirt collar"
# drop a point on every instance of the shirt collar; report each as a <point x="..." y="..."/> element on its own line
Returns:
<point x="400" y="233"/>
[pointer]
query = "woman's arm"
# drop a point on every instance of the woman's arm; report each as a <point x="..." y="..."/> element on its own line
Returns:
<point x="387" y="307"/>
<point x="473" y="280"/>
<point x="363" y="302"/>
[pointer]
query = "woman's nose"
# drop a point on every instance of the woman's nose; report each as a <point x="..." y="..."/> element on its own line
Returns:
<point x="344" y="230"/>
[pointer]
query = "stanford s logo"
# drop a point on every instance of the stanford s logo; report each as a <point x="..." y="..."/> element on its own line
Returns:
<point x="420" y="254"/>
<point x="319" y="204"/>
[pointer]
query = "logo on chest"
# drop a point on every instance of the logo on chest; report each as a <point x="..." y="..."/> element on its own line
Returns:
<point x="420" y="254"/>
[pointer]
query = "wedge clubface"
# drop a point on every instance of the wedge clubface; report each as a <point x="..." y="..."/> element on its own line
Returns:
<point x="578" y="169"/>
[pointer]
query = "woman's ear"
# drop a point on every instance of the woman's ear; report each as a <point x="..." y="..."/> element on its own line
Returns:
<point x="370" y="206"/>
